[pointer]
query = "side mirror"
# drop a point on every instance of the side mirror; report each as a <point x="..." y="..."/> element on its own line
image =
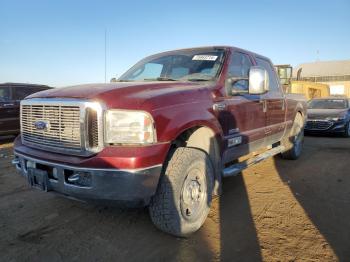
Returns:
<point x="258" y="81"/>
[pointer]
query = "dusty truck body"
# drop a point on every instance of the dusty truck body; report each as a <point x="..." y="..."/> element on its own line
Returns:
<point x="164" y="135"/>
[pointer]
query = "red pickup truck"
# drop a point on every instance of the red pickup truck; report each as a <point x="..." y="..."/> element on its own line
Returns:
<point x="163" y="135"/>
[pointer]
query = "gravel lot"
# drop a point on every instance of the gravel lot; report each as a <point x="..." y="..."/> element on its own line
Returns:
<point x="278" y="210"/>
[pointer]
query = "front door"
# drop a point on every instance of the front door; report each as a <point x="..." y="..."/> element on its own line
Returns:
<point x="243" y="119"/>
<point x="275" y="105"/>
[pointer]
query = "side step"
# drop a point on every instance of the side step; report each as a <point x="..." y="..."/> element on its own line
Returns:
<point x="236" y="169"/>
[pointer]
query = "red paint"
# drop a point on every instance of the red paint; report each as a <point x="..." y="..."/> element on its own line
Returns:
<point x="130" y="157"/>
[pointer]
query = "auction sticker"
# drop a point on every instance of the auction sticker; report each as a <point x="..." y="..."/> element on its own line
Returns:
<point x="205" y="57"/>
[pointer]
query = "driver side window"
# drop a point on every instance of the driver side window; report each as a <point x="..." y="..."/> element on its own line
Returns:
<point x="239" y="67"/>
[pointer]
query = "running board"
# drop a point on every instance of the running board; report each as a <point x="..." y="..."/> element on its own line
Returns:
<point x="236" y="169"/>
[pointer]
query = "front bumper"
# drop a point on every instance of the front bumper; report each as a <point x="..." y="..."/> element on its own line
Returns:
<point x="134" y="186"/>
<point x="325" y="126"/>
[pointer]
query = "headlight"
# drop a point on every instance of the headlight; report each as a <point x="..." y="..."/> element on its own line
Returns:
<point x="129" y="127"/>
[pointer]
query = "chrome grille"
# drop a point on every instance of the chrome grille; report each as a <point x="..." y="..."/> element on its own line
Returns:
<point x="318" y="124"/>
<point x="62" y="125"/>
<point x="92" y="127"/>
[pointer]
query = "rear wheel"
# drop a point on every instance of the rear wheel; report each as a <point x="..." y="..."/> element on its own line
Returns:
<point x="295" y="140"/>
<point x="183" y="197"/>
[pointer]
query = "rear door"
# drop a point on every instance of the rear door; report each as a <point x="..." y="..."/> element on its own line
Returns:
<point x="244" y="116"/>
<point x="9" y="111"/>
<point x="275" y="104"/>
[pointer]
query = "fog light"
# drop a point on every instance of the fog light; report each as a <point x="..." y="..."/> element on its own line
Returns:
<point x="80" y="179"/>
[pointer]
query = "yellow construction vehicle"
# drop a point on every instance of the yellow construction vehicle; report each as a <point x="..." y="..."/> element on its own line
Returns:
<point x="309" y="89"/>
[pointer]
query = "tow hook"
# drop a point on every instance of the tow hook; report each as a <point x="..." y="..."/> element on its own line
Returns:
<point x="15" y="162"/>
<point x="74" y="178"/>
<point x="80" y="179"/>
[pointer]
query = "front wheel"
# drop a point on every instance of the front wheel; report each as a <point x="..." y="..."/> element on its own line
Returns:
<point x="183" y="197"/>
<point x="295" y="140"/>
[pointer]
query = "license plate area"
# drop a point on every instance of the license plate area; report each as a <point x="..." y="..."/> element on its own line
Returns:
<point x="39" y="179"/>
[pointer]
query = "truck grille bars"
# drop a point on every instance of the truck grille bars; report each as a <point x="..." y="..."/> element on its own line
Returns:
<point x="64" y="126"/>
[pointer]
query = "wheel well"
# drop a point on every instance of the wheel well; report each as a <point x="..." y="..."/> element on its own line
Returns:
<point x="204" y="139"/>
<point x="181" y="140"/>
<point x="196" y="137"/>
<point x="302" y="115"/>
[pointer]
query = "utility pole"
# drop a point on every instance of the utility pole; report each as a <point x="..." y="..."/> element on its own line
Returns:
<point x="105" y="55"/>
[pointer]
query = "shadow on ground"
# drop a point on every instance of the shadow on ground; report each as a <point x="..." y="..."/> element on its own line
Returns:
<point x="320" y="182"/>
<point x="278" y="210"/>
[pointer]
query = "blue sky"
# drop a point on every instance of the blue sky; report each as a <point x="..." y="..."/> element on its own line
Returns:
<point x="62" y="42"/>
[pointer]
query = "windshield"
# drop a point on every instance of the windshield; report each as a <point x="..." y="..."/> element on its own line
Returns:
<point x="185" y="65"/>
<point x="328" y="104"/>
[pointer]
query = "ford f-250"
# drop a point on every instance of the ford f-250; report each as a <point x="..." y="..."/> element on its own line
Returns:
<point x="163" y="135"/>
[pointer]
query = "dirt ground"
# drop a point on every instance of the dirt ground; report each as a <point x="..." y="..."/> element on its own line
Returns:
<point x="278" y="210"/>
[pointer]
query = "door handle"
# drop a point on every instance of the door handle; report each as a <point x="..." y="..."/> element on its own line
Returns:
<point x="9" y="104"/>
<point x="264" y="105"/>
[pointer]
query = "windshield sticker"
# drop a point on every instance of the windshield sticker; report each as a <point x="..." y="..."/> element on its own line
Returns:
<point x="205" y="57"/>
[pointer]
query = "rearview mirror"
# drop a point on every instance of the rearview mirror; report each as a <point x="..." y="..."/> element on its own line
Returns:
<point x="258" y="81"/>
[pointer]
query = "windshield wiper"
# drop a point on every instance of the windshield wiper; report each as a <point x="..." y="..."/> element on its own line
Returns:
<point x="198" y="79"/>
<point x="160" y="79"/>
<point x="124" y="80"/>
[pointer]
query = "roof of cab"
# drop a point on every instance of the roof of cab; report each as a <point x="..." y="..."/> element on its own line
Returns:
<point x="225" y="47"/>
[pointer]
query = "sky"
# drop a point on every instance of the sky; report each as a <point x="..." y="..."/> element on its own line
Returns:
<point x="62" y="42"/>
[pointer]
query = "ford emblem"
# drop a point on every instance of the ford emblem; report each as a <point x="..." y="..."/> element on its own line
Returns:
<point x="41" y="125"/>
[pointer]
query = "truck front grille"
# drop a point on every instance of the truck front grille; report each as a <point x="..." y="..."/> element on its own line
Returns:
<point x="70" y="127"/>
<point x="62" y="126"/>
<point x="92" y="127"/>
<point x="318" y="124"/>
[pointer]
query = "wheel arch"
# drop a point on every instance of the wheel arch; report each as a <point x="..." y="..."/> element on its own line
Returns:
<point x="204" y="138"/>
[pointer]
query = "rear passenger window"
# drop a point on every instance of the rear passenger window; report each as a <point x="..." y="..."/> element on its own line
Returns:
<point x="239" y="67"/>
<point x="271" y="71"/>
<point x="5" y="94"/>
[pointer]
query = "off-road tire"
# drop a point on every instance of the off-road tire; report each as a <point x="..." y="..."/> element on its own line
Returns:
<point x="166" y="207"/>
<point x="295" y="139"/>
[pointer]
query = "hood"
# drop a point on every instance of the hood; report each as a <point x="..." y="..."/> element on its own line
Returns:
<point x="131" y="95"/>
<point x="325" y="113"/>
